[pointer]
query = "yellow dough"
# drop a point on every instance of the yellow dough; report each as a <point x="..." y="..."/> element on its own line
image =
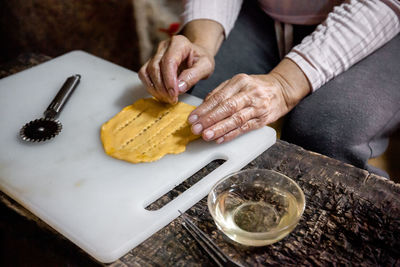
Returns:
<point x="147" y="130"/>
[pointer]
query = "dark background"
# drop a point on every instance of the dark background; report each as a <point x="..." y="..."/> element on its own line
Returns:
<point x="53" y="27"/>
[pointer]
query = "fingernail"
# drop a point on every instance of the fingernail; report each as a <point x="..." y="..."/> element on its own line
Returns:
<point x="197" y="128"/>
<point x="209" y="134"/>
<point x="182" y="85"/>
<point x="220" y="140"/>
<point x="193" y="118"/>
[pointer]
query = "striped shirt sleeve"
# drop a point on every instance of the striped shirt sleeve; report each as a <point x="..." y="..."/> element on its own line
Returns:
<point x="224" y="12"/>
<point x="351" y="32"/>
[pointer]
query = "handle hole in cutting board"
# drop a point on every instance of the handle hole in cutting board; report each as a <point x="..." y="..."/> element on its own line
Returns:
<point x="182" y="187"/>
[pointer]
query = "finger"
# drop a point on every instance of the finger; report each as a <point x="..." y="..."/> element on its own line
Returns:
<point x="248" y="126"/>
<point x="225" y="109"/>
<point x="154" y="73"/>
<point x="219" y="88"/>
<point x="200" y="112"/>
<point x="177" y="52"/>
<point x="229" y="124"/>
<point x="193" y="117"/>
<point x="233" y="86"/>
<point x="143" y="76"/>
<point x="196" y="115"/>
<point x="201" y="69"/>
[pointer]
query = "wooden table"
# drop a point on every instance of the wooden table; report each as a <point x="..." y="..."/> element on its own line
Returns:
<point x="352" y="217"/>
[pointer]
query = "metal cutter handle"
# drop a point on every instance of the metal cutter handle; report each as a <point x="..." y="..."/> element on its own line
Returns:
<point x="62" y="96"/>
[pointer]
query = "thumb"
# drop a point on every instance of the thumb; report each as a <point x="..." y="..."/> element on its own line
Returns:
<point x="198" y="71"/>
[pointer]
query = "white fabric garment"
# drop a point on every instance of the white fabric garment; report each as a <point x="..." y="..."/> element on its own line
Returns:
<point x="350" y="32"/>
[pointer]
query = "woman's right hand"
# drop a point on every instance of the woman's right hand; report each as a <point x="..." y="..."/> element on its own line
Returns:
<point x="177" y="65"/>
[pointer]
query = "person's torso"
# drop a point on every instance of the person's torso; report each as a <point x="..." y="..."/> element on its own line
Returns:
<point x="303" y="12"/>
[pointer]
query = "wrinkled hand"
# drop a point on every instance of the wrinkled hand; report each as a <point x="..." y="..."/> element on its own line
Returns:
<point x="239" y="105"/>
<point x="177" y="65"/>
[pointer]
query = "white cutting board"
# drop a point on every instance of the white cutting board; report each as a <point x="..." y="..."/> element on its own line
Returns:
<point x="69" y="182"/>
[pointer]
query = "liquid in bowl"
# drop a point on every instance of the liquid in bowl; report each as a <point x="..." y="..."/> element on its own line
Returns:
<point x="256" y="213"/>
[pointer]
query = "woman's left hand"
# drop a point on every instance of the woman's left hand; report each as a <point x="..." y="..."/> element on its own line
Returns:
<point x="239" y="105"/>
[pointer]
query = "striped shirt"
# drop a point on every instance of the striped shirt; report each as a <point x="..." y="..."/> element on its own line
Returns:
<point x="348" y="31"/>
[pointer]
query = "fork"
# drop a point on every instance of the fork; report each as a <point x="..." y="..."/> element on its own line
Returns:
<point x="215" y="253"/>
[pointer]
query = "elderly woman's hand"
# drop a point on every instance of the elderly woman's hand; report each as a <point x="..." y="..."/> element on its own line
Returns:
<point x="239" y="105"/>
<point x="177" y="65"/>
<point x="248" y="102"/>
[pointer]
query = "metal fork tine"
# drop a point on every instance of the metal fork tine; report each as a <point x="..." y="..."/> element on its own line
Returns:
<point x="203" y="245"/>
<point x="205" y="238"/>
<point x="206" y="243"/>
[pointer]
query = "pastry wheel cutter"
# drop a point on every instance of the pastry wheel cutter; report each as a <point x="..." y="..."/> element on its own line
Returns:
<point x="48" y="127"/>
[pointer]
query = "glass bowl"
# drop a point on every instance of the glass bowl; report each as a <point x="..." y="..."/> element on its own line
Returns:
<point x="256" y="207"/>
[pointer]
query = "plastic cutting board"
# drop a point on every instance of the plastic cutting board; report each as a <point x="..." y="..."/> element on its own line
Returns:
<point x="94" y="200"/>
